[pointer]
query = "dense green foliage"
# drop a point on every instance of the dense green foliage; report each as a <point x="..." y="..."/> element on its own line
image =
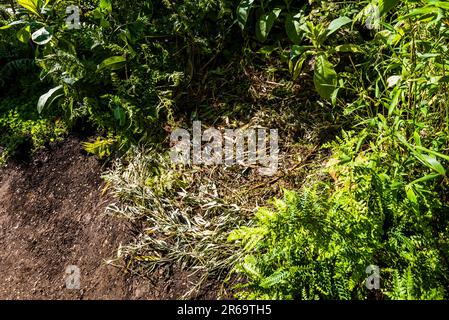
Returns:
<point x="121" y="70"/>
<point x="21" y="126"/>
<point x="386" y="202"/>
<point x="137" y="68"/>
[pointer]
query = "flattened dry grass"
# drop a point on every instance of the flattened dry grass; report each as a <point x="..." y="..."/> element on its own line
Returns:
<point x="184" y="214"/>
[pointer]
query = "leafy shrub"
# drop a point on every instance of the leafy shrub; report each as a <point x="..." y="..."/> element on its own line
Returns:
<point x="381" y="200"/>
<point x="318" y="243"/>
<point x="123" y="69"/>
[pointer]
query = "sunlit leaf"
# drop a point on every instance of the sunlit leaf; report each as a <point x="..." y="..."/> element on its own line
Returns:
<point x="265" y="24"/>
<point x="292" y="27"/>
<point x="325" y="77"/>
<point x="46" y="100"/>
<point x="24" y="34"/>
<point x="30" y="5"/>
<point x="432" y="163"/>
<point x="337" y="24"/>
<point x="12" y="24"/>
<point x="243" y="11"/>
<point x="112" y="63"/>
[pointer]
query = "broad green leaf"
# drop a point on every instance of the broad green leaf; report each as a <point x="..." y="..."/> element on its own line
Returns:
<point x="432" y="163"/>
<point x="46" y="100"/>
<point x="243" y="11"/>
<point x="441" y="4"/>
<point x="265" y="24"/>
<point x="30" y="5"/>
<point x="42" y="36"/>
<point x="267" y="50"/>
<point x="325" y="77"/>
<point x="335" y="25"/>
<point x="386" y="5"/>
<point x="12" y="24"/>
<point x="112" y="63"/>
<point x="293" y="29"/>
<point x="24" y="34"/>
<point x="106" y="5"/>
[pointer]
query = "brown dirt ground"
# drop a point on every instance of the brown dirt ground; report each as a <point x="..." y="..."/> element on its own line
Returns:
<point x="52" y="216"/>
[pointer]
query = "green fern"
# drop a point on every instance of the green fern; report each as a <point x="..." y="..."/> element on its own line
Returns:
<point x="100" y="147"/>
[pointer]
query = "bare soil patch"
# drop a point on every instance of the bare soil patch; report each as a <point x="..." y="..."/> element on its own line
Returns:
<point x="52" y="216"/>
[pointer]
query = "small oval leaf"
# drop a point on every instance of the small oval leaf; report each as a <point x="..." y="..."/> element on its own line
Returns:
<point x="112" y="63"/>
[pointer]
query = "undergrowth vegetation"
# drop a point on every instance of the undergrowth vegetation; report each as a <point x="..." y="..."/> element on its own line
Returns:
<point x="357" y="89"/>
<point x="185" y="223"/>
<point x="382" y="196"/>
